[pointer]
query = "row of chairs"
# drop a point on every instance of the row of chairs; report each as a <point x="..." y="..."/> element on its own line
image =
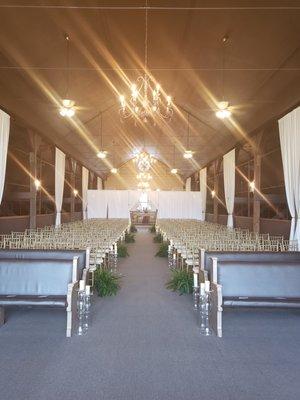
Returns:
<point x="188" y="236"/>
<point x="99" y="235"/>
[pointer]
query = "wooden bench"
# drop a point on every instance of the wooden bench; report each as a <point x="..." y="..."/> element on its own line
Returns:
<point x="251" y="279"/>
<point x="42" y="280"/>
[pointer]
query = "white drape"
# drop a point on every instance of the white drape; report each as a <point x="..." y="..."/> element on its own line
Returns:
<point x="229" y="184"/>
<point x="188" y="184"/>
<point x="4" y="137"/>
<point x="99" y="183"/>
<point x="289" y="132"/>
<point x="203" y="191"/>
<point x="85" y="185"/>
<point x="171" y="204"/>
<point x="60" y="161"/>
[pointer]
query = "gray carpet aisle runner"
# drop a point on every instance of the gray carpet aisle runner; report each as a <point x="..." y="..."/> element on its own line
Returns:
<point x="144" y="344"/>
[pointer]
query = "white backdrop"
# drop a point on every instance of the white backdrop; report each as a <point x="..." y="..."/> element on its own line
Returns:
<point x="118" y="203"/>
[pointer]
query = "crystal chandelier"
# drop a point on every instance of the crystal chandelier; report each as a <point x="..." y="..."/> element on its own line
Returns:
<point x="146" y="99"/>
<point x="144" y="161"/>
<point x="144" y="176"/>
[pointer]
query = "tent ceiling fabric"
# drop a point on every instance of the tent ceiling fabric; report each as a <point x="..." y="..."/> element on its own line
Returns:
<point x="261" y="77"/>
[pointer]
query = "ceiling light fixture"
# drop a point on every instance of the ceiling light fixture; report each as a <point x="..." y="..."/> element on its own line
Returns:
<point x="252" y="186"/>
<point x="144" y="161"/>
<point x="102" y="153"/>
<point x="188" y="154"/>
<point x="75" y="192"/>
<point x="37" y="184"/>
<point x="67" y="109"/>
<point x="174" y="171"/>
<point x="147" y="100"/>
<point x="223" y="111"/>
<point x="114" y="170"/>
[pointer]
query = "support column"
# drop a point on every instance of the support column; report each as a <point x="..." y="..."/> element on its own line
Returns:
<point x="35" y="141"/>
<point x="32" y="206"/>
<point x="257" y="152"/>
<point x="73" y="186"/>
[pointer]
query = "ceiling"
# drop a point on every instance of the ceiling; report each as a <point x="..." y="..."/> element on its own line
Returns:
<point x="261" y="67"/>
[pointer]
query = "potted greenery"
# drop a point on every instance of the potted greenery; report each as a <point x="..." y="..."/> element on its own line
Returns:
<point x="181" y="281"/>
<point x="163" y="250"/>
<point x="106" y="282"/>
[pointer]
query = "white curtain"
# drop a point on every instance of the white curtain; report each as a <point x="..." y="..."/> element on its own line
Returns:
<point x="203" y="191"/>
<point x="229" y="184"/>
<point x="188" y="184"/>
<point x="85" y="185"/>
<point x="99" y="183"/>
<point x="4" y="137"/>
<point x="289" y="132"/>
<point x="171" y="204"/>
<point x="60" y="161"/>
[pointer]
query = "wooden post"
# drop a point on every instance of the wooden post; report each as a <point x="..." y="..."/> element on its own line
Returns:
<point x="32" y="207"/>
<point x="257" y="151"/>
<point x="35" y="142"/>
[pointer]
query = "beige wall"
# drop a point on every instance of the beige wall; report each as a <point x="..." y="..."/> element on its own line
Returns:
<point x="126" y="178"/>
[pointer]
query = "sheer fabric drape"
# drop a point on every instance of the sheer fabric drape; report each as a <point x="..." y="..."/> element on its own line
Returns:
<point x="229" y="184"/>
<point x="203" y="191"/>
<point x="289" y="133"/>
<point x="60" y="161"/>
<point x="4" y="137"/>
<point x="85" y="184"/>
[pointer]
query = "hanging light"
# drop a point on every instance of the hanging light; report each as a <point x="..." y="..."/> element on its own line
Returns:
<point x="188" y="153"/>
<point x="75" y="192"/>
<point x="213" y="193"/>
<point x="114" y="170"/>
<point x="102" y="153"/>
<point x="144" y="176"/>
<point x="174" y="170"/>
<point x="147" y="100"/>
<point x="223" y="111"/>
<point x="68" y="106"/>
<point x="37" y="184"/>
<point x="67" y="109"/>
<point x="144" y="161"/>
<point x="252" y="186"/>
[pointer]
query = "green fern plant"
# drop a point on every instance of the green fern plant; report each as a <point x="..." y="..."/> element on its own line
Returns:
<point x="122" y="250"/>
<point x="133" y="229"/>
<point x="152" y="229"/>
<point x="163" y="250"/>
<point x="158" y="238"/>
<point x="106" y="282"/>
<point x="129" y="238"/>
<point x="181" y="281"/>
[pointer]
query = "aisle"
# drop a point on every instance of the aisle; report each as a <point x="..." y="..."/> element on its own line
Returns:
<point x="144" y="345"/>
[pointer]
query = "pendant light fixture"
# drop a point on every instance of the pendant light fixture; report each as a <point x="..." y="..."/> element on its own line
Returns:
<point x="114" y="170"/>
<point x="188" y="154"/>
<point x="102" y="153"/>
<point x="223" y="111"/>
<point x="146" y="100"/>
<point x="174" y="170"/>
<point x="68" y="106"/>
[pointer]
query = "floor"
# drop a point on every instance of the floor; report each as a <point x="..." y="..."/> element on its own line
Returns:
<point x="144" y="344"/>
